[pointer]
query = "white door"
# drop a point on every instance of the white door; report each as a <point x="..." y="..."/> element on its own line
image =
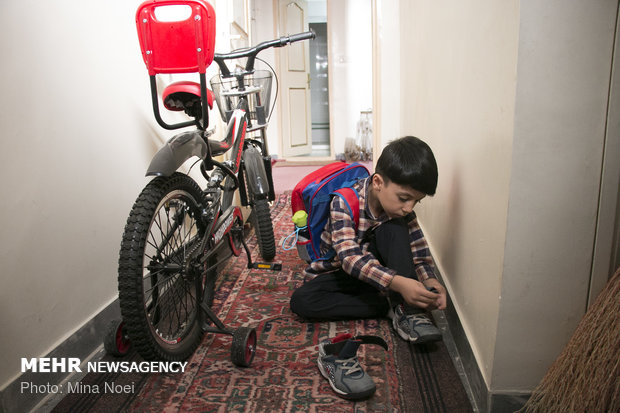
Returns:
<point x="296" y="127"/>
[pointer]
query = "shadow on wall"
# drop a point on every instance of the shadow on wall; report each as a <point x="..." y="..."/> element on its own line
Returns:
<point x="449" y="241"/>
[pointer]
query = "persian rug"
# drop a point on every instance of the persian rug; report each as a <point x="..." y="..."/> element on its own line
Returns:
<point x="283" y="376"/>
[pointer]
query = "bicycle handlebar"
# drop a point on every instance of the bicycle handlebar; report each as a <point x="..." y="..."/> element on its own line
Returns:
<point x="251" y="53"/>
<point x="299" y="37"/>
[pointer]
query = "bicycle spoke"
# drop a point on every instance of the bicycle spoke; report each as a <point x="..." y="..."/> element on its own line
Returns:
<point x="169" y="293"/>
<point x="177" y="292"/>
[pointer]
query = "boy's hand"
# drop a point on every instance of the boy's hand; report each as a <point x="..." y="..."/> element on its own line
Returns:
<point x="441" y="302"/>
<point x="415" y="293"/>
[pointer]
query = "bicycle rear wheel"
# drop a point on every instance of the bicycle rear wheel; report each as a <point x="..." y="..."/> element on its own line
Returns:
<point x="158" y="283"/>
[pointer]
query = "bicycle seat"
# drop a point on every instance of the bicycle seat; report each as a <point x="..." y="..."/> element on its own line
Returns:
<point x="184" y="95"/>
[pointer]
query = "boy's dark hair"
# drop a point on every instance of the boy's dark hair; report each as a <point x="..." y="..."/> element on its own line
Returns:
<point x="409" y="161"/>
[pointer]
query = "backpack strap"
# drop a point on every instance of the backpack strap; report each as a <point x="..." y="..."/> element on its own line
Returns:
<point x="352" y="201"/>
<point x="336" y="344"/>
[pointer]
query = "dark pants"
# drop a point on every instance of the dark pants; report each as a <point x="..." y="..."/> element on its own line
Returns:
<point x="339" y="296"/>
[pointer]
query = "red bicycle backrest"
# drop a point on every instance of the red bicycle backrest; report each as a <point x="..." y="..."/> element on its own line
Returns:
<point x="176" y="46"/>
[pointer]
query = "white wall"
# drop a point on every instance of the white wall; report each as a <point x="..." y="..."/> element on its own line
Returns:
<point x="458" y="80"/>
<point x="564" y="64"/>
<point x="386" y="69"/>
<point x="512" y="97"/>
<point x="77" y="135"/>
<point x="76" y="139"/>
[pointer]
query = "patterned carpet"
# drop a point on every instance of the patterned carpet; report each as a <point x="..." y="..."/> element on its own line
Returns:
<point x="284" y="376"/>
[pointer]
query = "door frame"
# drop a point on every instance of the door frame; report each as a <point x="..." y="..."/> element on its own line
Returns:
<point x="607" y="237"/>
<point x="376" y="91"/>
<point x="280" y="63"/>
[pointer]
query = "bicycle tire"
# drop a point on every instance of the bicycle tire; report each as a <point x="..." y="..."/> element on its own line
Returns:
<point x="115" y="341"/>
<point x="243" y="347"/>
<point x="157" y="283"/>
<point x="263" y="227"/>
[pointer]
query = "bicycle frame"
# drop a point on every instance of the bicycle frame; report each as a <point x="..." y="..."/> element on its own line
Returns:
<point x="220" y="224"/>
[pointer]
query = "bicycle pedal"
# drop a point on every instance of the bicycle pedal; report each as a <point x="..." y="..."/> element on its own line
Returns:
<point x="267" y="266"/>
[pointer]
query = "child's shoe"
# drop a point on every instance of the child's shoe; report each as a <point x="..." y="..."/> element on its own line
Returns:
<point x="338" y="363"/>
<point x="414" y="326"/>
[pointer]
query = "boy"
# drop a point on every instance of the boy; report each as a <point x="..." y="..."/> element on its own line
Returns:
<point x="382" y="267"/>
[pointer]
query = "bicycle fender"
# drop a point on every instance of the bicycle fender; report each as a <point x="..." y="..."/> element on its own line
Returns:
<point x="255" y="173"/>
<point x="175" y="152"/>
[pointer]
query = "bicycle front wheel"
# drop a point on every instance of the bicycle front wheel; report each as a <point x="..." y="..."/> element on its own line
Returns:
<point x="257" y="186"/>
<point x="159" y="286"/>
<point x="263" y="228"/>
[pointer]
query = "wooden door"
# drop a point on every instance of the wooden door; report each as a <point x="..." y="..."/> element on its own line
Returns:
<point x="296" y="127"/>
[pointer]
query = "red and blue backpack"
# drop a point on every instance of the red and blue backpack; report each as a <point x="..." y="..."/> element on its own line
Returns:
<point x="314" y="193"/>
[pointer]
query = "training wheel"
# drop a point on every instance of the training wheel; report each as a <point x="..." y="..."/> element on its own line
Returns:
<point x="116" y="343"/>
<point x="243" y="346"/>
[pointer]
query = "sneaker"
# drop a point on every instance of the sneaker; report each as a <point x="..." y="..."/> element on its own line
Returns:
<point x="416" y="327"/>
<point x="338" y="363"/>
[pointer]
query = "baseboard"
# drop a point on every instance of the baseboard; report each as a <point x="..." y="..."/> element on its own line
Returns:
<point x="507" y="402"/>
<point x="485" y="401"/>
<point x="82" y="344"/>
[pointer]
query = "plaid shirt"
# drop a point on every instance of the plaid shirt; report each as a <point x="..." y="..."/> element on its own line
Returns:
<point x="352" y="253"/>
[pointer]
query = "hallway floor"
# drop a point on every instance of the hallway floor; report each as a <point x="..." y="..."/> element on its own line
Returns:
<point x="285" y="177"/>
